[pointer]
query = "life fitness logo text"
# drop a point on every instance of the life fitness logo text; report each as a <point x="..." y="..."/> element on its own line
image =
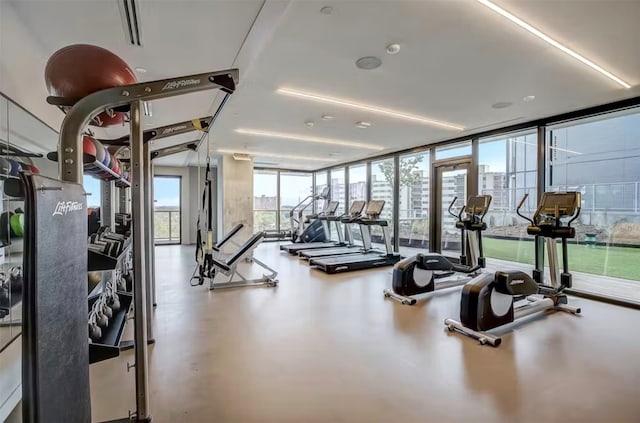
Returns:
<point x="172" y="85"/>
<point x="66" y="207"/>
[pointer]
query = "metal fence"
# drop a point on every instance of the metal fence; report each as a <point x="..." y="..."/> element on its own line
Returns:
<point x="166" y="226"/>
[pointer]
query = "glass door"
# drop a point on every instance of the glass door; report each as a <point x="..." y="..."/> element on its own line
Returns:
<point x="166" y="210"/>
<point x="452" y="180"/>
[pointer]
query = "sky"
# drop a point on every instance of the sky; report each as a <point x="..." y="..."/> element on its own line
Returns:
<point x="166" y="191"/>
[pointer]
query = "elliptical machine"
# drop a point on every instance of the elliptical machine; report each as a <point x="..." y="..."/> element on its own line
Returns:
<point x="489" y="300"/>
<point x="308" y="228"/>
<point x="420" y="274"/>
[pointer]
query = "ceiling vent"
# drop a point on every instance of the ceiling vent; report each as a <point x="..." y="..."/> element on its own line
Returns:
<point x="130" y="14"/>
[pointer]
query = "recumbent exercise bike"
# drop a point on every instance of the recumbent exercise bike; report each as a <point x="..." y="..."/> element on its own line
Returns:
<point x="424" y="272"/>
<point x="489" y="300"/>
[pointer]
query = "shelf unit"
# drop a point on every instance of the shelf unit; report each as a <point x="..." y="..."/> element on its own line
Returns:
<point x="108" y="346"/>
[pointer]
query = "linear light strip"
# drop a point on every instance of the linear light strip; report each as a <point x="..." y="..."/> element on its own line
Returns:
<point x="306" y="138"/>
<point x="279" y="156"/>
<point x="368" y="107"/>
<point x="552" y="42"/>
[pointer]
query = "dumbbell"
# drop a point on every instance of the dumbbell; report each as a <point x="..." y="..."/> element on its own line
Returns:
<point x="106" y="231"/>
<point x="110" y="248"/>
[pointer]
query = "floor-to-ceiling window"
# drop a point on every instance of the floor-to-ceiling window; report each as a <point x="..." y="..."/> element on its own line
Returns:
<point x="599" y="157"/>
<point x="413" y="216"/>
<point x="321" y="182"/>
<point x="296" y="189"/>
<point x="265" y="200"/>
<point x="166" y="209"/>
<point x="338" y="188"/>
<point x="507" y="167"/>
<point x="357" y="183"/>
<point x="382" y="177"/>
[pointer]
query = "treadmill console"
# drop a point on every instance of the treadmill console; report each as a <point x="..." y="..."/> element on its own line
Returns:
<point x="477" y="205"/>
<point x="331" y="208"/>
<point x="357" y="207"/>
<point x="374" y="208"/>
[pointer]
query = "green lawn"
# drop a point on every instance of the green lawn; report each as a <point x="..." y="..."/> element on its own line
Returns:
<point x="609" y="261"/>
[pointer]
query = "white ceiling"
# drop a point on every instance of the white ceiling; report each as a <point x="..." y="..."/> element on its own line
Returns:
<point x="457" y="58"/>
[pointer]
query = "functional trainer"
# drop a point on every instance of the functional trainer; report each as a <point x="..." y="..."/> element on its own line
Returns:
<point x="426" y="272"/>
<point x="493" y="300"/>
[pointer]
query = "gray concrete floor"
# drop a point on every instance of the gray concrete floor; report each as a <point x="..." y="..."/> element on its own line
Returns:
<point x="329" y="348"/>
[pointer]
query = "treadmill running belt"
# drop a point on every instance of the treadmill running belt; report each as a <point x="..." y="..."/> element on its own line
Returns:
<point x="323" y="252"/>
<point x="294" y="248"/>
<point x="336" y="264"/>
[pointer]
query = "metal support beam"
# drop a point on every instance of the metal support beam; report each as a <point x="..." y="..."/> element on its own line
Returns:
<point x="139" y="263"/>
<point x="148" y="235"/>
<point x="107" y="204"/>
<point x="346" y="189"/>
<point x="395" y="192"/>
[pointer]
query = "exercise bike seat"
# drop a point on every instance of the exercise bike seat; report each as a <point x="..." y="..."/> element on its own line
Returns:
<point x="515" y="283"/>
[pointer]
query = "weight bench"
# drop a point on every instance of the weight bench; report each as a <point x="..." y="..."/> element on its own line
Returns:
<point x="228" y="266"/>
<point x="227" y="239"/>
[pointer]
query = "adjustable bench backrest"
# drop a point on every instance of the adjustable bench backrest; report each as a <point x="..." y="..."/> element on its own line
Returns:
<point x="240" y="252"/>
<point x="229" y="235"/>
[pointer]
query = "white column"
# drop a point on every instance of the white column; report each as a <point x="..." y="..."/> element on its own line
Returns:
<point x="235" y="196"/>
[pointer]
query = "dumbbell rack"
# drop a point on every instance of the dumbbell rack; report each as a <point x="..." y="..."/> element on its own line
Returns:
<point x="65" y="395"/>
<point x="99" y="261"/>
<point x="108" y="346"/>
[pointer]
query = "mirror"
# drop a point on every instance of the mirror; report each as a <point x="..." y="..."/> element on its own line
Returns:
<point x="21" y="135"/>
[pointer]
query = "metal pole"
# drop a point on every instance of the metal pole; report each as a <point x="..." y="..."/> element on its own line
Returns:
<point x="395" y="194"/>
<point x="139" y="267"/>
<point x="107" y="204"/>
<point x="148" y="235"/>
<point x="152" y="251"/>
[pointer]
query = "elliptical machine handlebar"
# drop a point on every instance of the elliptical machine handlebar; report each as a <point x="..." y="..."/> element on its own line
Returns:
<point x="458" y="216"/>
<point x="524" y="198"/>
<point x="578" y="208"/>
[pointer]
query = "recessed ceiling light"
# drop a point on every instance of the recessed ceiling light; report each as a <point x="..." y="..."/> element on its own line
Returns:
<point x="529" y="98"/>
<point x="393" y="48"/>
<point x="368" y="63"/>
<point x="367" y="107"/>
<point x="281" y="156"/>
<point x="363" y="125"/>
<point x="552" y="42"/>
<point x="141" y="70"/>
<point x="327" y="117"/>
<point x="326" y="10"/>
<point x="501" y="105"/>
<point x="309" y="124"/>
<point x="305" y="138"/>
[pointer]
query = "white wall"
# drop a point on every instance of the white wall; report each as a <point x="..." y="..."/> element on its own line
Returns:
<point x="22" y="63"/>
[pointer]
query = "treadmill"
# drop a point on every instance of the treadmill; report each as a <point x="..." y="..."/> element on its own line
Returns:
<point x="355" y="213"/>
<point x="372" y="258"/>
<point x="325" y="216"/>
